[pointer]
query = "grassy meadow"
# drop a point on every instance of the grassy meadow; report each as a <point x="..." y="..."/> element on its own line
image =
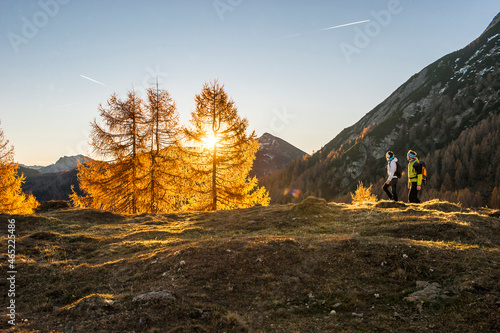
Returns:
<point x="311" y="267"/>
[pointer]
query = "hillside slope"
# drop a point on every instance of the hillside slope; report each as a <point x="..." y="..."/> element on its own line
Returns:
<point x="311" y="267"/>
<point x="428" y="113"/>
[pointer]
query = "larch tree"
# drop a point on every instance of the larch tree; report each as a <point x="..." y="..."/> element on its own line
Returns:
<point x="12" y="198"/>
<point x="162" y="163"/>
<point x="116" y="182"/>
<point x="495" y="198"/>
<point x="221" y="154"/>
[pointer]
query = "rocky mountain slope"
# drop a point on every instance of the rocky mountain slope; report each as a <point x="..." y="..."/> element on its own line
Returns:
<point x="428" y="113"/>
<point x="274" y="154"/>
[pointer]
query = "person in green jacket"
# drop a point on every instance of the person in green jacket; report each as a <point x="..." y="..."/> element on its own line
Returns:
<point x="414" y="176"/>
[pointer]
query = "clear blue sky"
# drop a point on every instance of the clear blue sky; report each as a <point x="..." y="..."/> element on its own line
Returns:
<point x="286" y="75"/>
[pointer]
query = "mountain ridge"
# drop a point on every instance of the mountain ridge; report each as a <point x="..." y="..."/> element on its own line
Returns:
<point x="427" y="113"/>
<point x="64" y="163"/>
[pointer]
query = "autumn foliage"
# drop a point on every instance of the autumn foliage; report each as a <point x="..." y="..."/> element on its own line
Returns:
<point x="223" y="154"/>
<point x="363" y="194"/>
<point x="150" y="164"/>
<point x="12" y="199"/>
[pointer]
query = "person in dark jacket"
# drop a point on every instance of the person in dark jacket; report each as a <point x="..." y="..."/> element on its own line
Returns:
<point x="414" y="176"/>
<point x="392" y="179"/>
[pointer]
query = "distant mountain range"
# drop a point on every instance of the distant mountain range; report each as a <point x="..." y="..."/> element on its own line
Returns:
<point x="54" y="182"/>
<point x="449" y="113"/>
<point x="63" y="164"/>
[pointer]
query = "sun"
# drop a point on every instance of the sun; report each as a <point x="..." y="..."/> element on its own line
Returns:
<point x="210" y="140"/>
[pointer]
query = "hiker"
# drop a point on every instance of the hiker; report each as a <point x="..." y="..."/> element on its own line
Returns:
<point x="414" y="176"/>
<point x="392" y="179"/>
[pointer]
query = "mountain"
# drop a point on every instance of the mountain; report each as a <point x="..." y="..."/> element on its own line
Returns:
<point x="448" y="113"/>
<point x="274" y="154"/>
<point x="49" y="186"/>
<point x="63" y="164"/>
<point x="52" y="182"/>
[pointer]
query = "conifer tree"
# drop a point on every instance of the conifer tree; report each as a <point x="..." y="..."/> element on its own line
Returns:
<point x="115" y="183"/>
<point x="222" y="155"/>
<point x="12" y="199"/>
<point x="495" y="198"/>
<point x="163" y="162"/>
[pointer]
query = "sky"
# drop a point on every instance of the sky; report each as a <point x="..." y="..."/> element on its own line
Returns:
<point x="300" y="70"/>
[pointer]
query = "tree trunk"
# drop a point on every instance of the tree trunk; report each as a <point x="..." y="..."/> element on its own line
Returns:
<point x="214" y="179"/>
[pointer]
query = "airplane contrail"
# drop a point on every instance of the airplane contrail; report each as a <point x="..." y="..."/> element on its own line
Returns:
<point x="66" y="105"/>
<point x="343" y="25"/>
<point x="85" y="77"/>
<point x="324" y="29"/>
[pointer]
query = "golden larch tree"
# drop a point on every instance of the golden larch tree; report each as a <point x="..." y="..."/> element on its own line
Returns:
<point x="115" y="183"/>
<point x="221" y="154"/>
<point x="162" y="164"/>
<point x="12" y="198"/>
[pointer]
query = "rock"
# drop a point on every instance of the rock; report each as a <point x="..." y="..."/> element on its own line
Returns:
<point x="428" y="291"/>
<point x="154" y="295"/>
<point x="358" y="315"/>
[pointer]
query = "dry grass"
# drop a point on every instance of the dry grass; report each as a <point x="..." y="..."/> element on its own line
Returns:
<point x="263" y="269"/>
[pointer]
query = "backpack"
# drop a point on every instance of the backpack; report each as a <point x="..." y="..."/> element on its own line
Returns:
<point x="423" y="168"/>
<point x="399" y="170"/>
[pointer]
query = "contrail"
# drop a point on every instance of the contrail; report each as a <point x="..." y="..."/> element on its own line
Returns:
<point x="65" y="105"/>
<point x="335" y="27"/>
<point x="94" y="80"/>
<point x="343" y="25"/>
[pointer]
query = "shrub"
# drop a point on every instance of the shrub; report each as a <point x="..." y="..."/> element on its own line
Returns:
<point x="363" y="194"/>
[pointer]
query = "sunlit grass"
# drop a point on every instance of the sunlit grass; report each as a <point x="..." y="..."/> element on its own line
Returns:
<point x="451" y="245"/>
<point x="93" y="299"/>
<point x="288" y="262"/>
